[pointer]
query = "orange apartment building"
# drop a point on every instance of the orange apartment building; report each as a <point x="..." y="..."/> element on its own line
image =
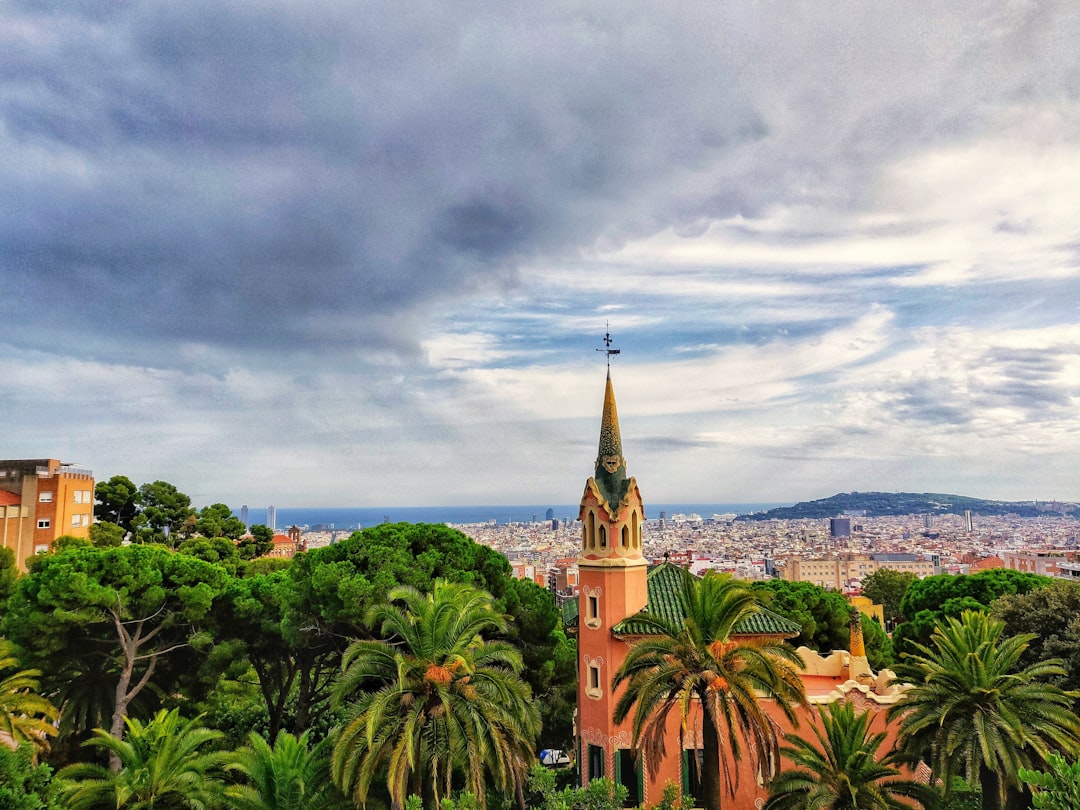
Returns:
<point x="40" y="500"/>
<point x="616" y="584"/>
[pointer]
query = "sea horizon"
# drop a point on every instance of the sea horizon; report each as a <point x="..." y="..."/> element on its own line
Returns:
<point x="362" y="517"/>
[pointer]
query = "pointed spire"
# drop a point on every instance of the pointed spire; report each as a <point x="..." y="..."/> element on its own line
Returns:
<point x="610" y="473"/>
<point x="610" y="439"/>
<point x="858" y="647"/>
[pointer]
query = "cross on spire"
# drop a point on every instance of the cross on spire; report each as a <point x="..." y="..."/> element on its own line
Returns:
<point x="607" y="350"/>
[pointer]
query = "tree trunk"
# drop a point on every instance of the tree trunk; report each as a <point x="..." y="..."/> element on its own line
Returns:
<point x="991" y="786"/>
<point x="710" y="768"/>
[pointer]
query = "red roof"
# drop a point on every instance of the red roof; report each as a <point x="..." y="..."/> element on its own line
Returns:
<point x="281" y="539"/>
<point x="9" y="498"/>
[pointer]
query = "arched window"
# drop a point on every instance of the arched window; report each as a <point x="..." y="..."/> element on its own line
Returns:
<point x="603" y="537"/>
<point x="592" y="530"/>
<point x="625" y="536"/>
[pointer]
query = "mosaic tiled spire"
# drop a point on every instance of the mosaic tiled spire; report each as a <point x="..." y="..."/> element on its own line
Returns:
<point x="858" y="647"/>
<point x="610" y="465"/>
<point x="610" y="440"/>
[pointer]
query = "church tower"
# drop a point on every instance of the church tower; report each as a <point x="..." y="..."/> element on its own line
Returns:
<point x="612" y="571"/>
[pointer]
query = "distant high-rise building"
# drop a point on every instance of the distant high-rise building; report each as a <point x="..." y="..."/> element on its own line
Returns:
<point x="928" y="521"/>
<point x="839" y="527"/>
<point x="40" y="500"/>
<point x="550" y="514"/>
<point x="244" y="515"/>
<point x="271" y="517"/>
<point x="967" y="520"/>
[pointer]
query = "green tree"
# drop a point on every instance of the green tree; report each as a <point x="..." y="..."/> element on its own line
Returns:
<point x="843" y="771"/>
<point x="165" y="516"/>
<point x="258" y="541"/>
<point x="217" y="520"/>
<point x="333" y="588"/>
<point x="25" y="716"/>
<point x="9" y="575"/>
<point x="823" y="614"/>
<point x="117" y="501"/>
<point x="927" y="601"/>
<point x="1056" y="789"/>
<point x="24" y="784"/>
<point x="699" y="661"/>
<point x="973" y="712"/>
<point x="290" y="775"/>
<point x="106" y="535"/>
<point x="123" y="610"/>
<point x="435" y="702"/>
<point x="251" y="616"/>
<point x="220" y="550"/>
<point x="1052" y="615"/>
<point x="166" y="763"/>
<point x="886" y="587"/>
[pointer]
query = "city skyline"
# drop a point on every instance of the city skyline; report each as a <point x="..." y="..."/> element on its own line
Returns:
<point x="330" y="256"/>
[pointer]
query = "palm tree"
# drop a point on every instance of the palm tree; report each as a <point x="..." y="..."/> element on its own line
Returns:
<point x="841" y="771"/>
<point x="436" y="701"/>
<point x="699" y="662"/>
<point x="25" y="716"/>
<point x="167" y="764"/>
<point x="972" y="713"/>
<point x="288" y="776"/>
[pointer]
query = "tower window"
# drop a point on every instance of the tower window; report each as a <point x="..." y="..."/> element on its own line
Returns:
<point x="592" y="611"/>
<point x="603" y="537"/>
<point x="626" y="537"/>
<point x="592" y="684"/>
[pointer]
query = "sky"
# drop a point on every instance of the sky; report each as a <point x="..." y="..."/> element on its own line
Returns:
<point x="363" y="254"/>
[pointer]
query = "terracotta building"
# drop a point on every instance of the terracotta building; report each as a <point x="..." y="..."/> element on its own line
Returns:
<point x="616" y="583"/>
<point x="40" y="500"/>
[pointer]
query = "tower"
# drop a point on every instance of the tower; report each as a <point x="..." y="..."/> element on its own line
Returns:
<point x="612" y="572"/>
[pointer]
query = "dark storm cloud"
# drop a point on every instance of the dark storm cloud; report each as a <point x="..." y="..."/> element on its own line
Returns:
<point x="307" y="175"/>
<point x="229" y="172"/>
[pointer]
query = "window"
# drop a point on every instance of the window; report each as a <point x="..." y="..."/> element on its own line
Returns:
<point x="596" y="762"/>
<point x="78" y="496"/>
<point x="44" y="523"/>
<point x="592" y="684"/>
<point x="628" y="774"/>
<point x="45" y="497"/>
<point x="691" y="774"/>
<point x="75" y="520"/>
<point x="592" y="610"/>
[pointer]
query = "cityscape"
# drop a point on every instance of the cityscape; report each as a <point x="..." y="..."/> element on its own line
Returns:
<point x="316" y="494"/>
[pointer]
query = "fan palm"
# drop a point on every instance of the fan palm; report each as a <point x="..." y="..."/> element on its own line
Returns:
<point x="287" y="776"/>
<point x="972" y="712"/>
<point x="841" y="772"/>
<point x="436" y="701"/>
<point x="25" y="716"/>
<point x="699" y="662"/>
<point x="168" y="763"/>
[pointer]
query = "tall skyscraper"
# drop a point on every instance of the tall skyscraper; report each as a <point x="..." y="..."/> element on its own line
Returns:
<point x="271" y="517"/>
<point x="244" y="515"/>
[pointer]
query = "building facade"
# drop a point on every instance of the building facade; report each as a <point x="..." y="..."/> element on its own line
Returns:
<point x="617" y="584"/>
<point x="41" y="500"/>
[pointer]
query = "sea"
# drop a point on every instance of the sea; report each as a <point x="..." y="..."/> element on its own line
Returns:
<point x="362" y="517"/>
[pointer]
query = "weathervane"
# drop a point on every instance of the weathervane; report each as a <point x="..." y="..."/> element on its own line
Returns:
<point x="607" y="350"/>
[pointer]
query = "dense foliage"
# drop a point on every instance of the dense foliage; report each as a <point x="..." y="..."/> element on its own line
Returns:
<point x="930" y="601"/>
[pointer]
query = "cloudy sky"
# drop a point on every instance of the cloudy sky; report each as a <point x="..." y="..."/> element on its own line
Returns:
<point x="363" y="254"/>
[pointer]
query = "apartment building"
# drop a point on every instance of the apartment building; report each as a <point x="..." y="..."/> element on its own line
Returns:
<point x="837" y="571"/>
<point x="40" y="500"/>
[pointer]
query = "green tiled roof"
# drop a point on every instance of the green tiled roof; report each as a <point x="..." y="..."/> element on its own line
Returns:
<point x="570" y="613"/>
<point x="664" y="582"/>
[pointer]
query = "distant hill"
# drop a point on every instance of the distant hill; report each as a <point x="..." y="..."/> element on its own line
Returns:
<point x="878" y="504"/>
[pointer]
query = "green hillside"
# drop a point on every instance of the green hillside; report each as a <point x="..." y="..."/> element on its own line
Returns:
<point x="878" y="504"/>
